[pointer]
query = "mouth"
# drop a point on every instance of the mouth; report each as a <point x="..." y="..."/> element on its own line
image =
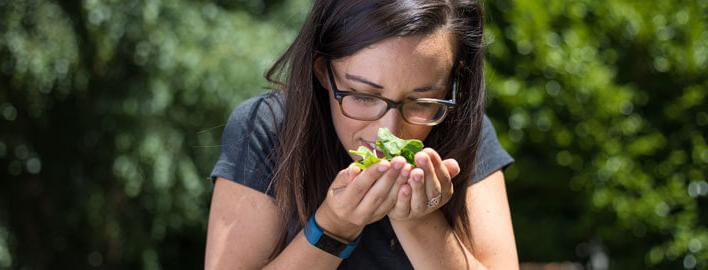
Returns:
<point x="372" y="146"/>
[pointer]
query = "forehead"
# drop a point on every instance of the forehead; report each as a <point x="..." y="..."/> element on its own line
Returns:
<point x="404" y="62"/>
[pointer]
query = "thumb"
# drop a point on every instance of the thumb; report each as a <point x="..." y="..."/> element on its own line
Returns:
<point x="452" y="167"/>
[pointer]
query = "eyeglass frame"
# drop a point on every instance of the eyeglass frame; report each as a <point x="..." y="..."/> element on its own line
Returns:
<point x="339" y="96"/>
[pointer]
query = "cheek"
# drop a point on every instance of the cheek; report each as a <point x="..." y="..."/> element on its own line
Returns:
<point x="347" y="129"/>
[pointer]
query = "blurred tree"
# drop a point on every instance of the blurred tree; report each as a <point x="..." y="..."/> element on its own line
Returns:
<point x="106" y="108"/>
<point x="110" y="117"/>
<point x="607" y="119"/>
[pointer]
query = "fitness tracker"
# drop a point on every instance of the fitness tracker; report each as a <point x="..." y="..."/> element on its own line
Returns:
<point x="316" y="236"/>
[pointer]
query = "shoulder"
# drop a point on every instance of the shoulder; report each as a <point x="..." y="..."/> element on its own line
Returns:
<point x="488" y="130"/>
<point x="257" y="118"/>
<point x="264" y="109"/>
<point x="268" y="101"/>
<point x="491" y="156"/>
<point x="248" y="143"/>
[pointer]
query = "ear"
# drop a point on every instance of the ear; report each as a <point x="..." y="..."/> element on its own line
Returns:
<point x="320" y="69"/>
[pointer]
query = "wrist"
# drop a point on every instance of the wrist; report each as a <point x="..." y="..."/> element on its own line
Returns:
<point x="317" y="237"/>
<point x="412" y="224"/>
<point x="335" y="228"/>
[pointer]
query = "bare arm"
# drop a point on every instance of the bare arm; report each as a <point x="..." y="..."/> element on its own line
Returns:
<point x="243" y="230"/>
<point x="431" y="244"/>
<point x="243" y="223"/>
<point x="492" y="231"/>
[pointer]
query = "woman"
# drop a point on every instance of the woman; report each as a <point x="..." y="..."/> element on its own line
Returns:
<point x="285" y="196"/>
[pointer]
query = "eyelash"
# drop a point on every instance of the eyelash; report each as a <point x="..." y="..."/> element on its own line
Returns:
<point x="354" y="90"/>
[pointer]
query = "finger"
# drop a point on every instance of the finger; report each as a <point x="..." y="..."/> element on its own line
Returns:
<point x="358" y="187"/>
<point x="418" y="196"/>
<point x="403" y="202"/>
<point x="392" y="196"/>
<point x="443" y="175"/>
<point x="432" y="185"/>
<point x="440" y="169"/>
<point x="405" y="173"/>
<point x="376" y="197"/>
<point x="452" y="166"/>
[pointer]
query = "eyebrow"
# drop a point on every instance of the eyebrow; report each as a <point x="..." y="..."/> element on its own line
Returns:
<point x="378" y="86"/>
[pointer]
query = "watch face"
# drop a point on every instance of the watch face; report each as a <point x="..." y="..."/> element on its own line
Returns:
<point x="330" y="245"/>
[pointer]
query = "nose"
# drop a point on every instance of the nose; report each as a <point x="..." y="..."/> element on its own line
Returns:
<point x="392" y="120"/>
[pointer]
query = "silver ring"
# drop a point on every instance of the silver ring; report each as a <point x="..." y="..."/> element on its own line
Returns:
<point x="433" y="202"/>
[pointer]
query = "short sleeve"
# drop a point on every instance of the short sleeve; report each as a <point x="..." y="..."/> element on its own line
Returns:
<point x="248" y="143"/>
<point x="490" y="155"/>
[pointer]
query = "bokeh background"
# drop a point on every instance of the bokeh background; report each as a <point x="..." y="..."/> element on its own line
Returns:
<point x="111" y="113"/>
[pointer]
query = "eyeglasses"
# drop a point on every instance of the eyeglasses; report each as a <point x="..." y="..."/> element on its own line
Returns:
<point x="367" y="107"/>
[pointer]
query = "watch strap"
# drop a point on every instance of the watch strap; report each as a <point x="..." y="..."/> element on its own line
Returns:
<point x="315" y="236"/>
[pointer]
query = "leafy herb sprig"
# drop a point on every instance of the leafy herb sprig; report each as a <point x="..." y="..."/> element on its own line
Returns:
<point x="391" y="146"/>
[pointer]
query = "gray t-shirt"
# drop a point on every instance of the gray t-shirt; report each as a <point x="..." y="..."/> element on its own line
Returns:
<point x="248" y="158"/>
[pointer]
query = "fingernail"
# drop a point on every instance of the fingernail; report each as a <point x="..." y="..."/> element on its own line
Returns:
<point x="421" y="161"/>
<point x="405" y="172"/>
<point x="383" y="168"/>
<point x="417" y="178"/>
<point x="397" y="165"/>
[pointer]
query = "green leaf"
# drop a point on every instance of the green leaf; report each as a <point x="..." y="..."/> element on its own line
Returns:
<point x="391" y="146"/>
<point x="368" y="158"/>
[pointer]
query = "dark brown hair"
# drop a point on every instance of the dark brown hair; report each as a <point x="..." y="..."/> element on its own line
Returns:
<point x="309" y="154"/>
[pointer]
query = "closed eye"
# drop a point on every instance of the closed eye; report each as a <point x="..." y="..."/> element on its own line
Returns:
<point x="375" y="93"/>
<point x="363" y="99"/>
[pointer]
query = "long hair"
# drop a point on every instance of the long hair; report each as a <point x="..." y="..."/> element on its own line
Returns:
<point x="309" y="154"/>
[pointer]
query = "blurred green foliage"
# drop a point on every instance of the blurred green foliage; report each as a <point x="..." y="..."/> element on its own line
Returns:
<point x="111" y="115"/>
<point x="603" y="103"/>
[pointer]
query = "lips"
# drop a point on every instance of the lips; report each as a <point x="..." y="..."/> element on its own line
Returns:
<point x="373" y="148"/>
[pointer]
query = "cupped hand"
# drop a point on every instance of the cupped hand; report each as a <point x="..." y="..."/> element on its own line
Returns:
<point x="428" y="187"/>
<point x="357" y="198"/>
